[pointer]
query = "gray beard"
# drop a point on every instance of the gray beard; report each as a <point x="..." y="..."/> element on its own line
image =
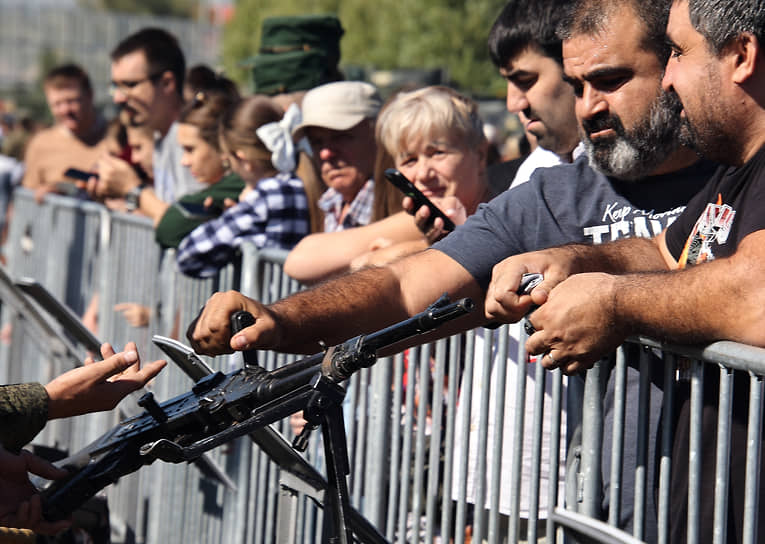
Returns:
<point x="636" y="153"/>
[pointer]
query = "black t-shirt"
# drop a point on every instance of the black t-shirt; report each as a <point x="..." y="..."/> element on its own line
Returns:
<point x="725" y="211"/>
<point x="728" y="208"/>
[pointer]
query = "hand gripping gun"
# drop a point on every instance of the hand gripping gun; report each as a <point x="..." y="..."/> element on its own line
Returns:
<point x="222" y="407"/>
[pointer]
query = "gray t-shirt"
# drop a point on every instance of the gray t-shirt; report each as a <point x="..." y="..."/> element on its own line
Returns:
<point x="569" y="203"/>
<point x="172" y="180"/>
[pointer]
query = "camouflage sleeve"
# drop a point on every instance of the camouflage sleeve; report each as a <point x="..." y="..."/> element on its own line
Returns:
<point x="23" y="413"/>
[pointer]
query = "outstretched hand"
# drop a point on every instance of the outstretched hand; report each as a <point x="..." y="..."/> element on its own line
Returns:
<point x="20" y="504"/>
<point x="210" y="332"/>
<point x="101" y="385"/>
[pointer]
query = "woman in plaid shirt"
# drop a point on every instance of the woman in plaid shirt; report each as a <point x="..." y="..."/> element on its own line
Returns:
<point x="273" y="208"/>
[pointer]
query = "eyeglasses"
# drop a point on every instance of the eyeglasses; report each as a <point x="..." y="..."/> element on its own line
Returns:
<point x="128" y="85"/>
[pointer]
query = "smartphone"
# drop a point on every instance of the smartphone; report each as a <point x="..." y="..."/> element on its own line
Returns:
<point x="407" y="187"/>
<point x="80" y="175"/>
<point x="198" y="211"/>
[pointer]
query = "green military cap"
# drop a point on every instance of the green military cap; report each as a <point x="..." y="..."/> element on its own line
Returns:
<point x="292" y="71"/>
<point x="302" y="33"/>
<point x="297" y="53"/>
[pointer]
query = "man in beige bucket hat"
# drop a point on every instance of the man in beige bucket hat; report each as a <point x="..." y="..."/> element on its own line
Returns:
<point x="339" y="123"/>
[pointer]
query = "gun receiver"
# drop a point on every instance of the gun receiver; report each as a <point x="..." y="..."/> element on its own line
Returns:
<point x="220" y="408"/>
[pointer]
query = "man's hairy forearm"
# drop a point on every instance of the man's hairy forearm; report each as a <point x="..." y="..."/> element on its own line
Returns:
<point x="339" y="309"/>
<point x="621" y="257"/>
<point x="720" y="300"/>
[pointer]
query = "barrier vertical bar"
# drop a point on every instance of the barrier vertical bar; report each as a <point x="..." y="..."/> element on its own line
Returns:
<point x="515" y="459"/>
<point x="665" y="448"/>
<point x="454" y="377"/>
<point x="434" y="461"/>
<point x="467" y="385"/>
<point x="617" y="438"/>
<point x="694" y="450"/>
<point x="555" y="429"/>
<point x="641" y="457"/>
<point x="499" y="375"/>
<point x="592" y="442"/>
<point x="536" y="449"/>
<point x="722" y="459"/>
<point x="753" y="455"/>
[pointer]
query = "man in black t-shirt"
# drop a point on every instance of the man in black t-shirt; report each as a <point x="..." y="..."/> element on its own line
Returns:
<point x="594" y="296"/>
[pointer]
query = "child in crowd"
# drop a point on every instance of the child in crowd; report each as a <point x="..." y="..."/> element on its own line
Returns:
<point x="273" y="208"/>
<point x="202" y="154"/>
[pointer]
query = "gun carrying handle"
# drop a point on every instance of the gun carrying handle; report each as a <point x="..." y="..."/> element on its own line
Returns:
<point x="239" y="321"/>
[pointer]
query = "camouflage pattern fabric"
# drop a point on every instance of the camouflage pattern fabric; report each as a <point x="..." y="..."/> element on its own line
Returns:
<point x="23" y="413"/>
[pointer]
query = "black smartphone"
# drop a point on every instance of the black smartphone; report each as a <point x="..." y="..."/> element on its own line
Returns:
<point x="407" y="187"/>
<point x="198" y="211"/>
<point x="80" y="175"/>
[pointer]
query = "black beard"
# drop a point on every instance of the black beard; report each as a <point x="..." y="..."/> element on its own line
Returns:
<point x="711" y="140"/>
<point x="635" y="153"/>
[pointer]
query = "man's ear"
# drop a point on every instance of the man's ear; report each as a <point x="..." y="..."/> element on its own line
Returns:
<point x="746" y="50"/>
<point x="168" y="83"/>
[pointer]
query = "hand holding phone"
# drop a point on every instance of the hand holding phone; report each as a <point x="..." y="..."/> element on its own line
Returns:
<point x="198" y="210"/>
<point x="407" y="187"/>
<point x="79" y="175"/>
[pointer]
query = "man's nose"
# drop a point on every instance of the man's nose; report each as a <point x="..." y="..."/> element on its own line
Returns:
<point x="516" y="99"/>
<point x="119" y="96"/>
<point x="591" y="103"/>
<point x="326" y="152"/>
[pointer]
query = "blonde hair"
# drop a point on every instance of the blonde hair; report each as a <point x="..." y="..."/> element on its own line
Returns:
<point x="426" y="112"/>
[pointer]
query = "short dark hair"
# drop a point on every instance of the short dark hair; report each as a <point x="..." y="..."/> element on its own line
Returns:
<point x="719" y="21"/>
<point x="64" y="74"/>
<point x="163" y="54"/>
<point x="523" y="24"/>
<point x="592" y="16"/>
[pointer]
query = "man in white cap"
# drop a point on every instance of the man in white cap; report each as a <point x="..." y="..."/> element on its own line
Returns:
<point x="339" y="122"/>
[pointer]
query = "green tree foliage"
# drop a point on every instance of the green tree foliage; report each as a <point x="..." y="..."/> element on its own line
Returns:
<point x="386" y="34"/>
<point x="178" y="8"/>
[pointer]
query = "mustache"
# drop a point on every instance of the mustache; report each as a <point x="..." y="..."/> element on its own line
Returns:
<point x="602" y="121"/>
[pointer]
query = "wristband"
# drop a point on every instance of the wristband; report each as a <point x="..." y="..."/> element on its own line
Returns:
<point x="133" y="198"/>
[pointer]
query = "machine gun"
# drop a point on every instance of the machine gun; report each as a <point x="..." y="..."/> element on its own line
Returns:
<point x="222" y="407"/>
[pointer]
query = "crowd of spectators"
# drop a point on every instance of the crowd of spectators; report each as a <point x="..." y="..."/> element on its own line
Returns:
<point x="618" y="120"/>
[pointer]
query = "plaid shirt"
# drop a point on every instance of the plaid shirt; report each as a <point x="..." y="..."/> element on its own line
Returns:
<point x="274" y="214"/>
<point x="359" y="213"/>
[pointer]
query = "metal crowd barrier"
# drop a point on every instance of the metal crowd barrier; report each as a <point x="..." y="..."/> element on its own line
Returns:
<point x="427" y="436"/>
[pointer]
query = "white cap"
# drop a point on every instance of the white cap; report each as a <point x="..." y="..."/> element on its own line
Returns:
<point x="338" y="106"/>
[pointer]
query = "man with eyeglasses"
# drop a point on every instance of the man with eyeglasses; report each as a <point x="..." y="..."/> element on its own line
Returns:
<point x="148" y="68"/>
<point x="72" y="142"/>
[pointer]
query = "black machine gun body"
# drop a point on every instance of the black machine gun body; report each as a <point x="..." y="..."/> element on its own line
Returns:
<point x="222" y="407"/>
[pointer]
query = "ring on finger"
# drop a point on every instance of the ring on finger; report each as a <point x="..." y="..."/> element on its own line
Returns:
<point x="528" y="327"/>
